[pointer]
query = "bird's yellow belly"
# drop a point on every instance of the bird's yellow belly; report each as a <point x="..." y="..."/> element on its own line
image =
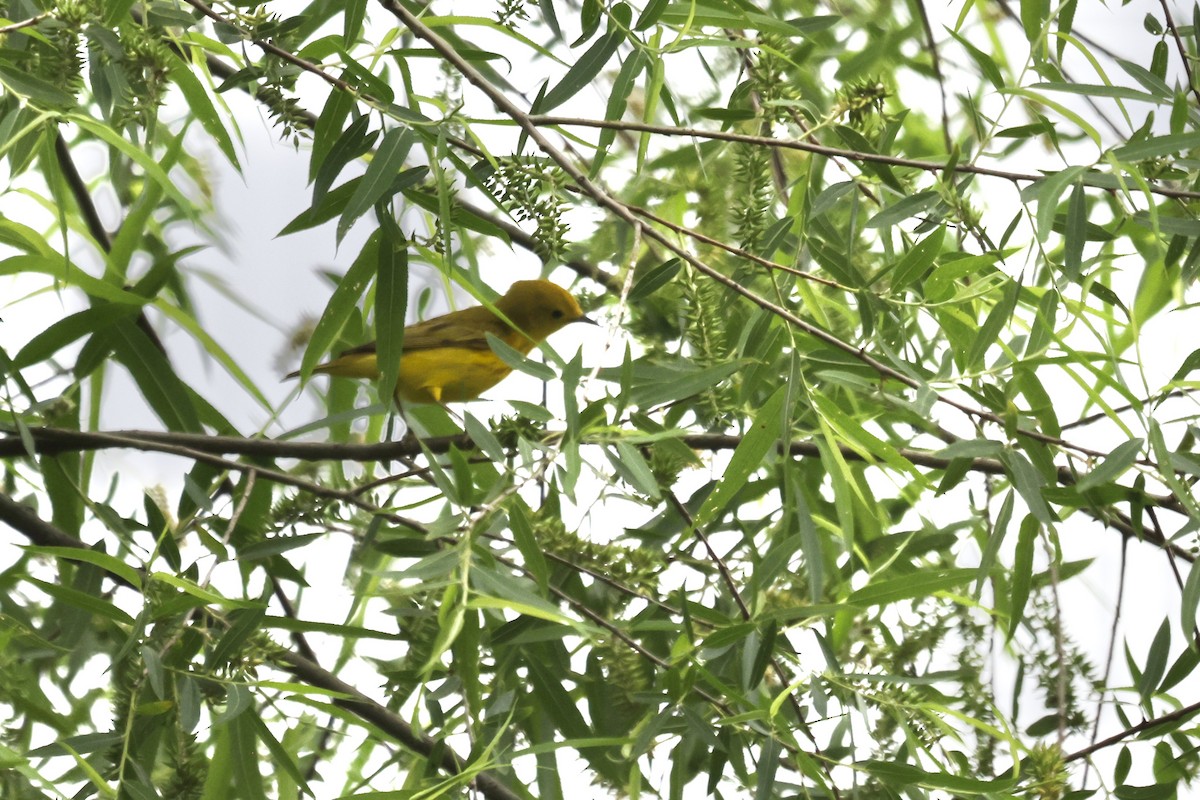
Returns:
<point x="448" y="375"/>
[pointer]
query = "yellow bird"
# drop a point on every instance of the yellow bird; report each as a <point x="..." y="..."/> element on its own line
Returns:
<point x="447" y="359"/>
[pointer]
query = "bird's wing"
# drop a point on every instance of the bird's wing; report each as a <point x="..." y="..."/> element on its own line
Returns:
<point x="466" y="329"/>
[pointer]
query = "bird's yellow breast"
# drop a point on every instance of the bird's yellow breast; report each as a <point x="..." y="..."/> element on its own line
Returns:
<point x="448" y="375"/>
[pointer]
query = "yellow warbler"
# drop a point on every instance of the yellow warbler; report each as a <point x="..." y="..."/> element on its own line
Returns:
<point x="447" y="359"/>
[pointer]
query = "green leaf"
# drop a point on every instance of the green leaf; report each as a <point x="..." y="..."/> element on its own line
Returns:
<point x="653" y="383"/>
<point x="654" y="279"/>
<point x="918" y="259"/>
<point x="60" y="269"/>
<point x="377" y="181"/>
<point x="341" y="304"/>
<point x="491" y="589"/>
<point x="91" y="604"/>
<point x="900" y="775"/>
<point x="1101" y="90"/>
<point x="104" y="561"/>
<point x="328" y="131"/>
<point x="21" y="81"/>
<point x="987" y="65"/>
<point x="513" y="357"/>
<point x="910" y="587"/>
<point x="856" y="141"/>
<point x="243" y="733"/>
<point x="1190" y="601"/>
<point x="770" y="423"/>
<point x="910" y="206"/>
<point x="618" y="100"/>
<point x="582" y="72"/>
<point x="999" y="529"/>
<point x="74" y="326"/>
<point x="632" y="467"/>
<point x="1157" y="146"/>
<point x="1189" y="365"/>
<point x="1113" y="466"/>
<point x="1046" y="193"/>
<point x="166" y="394"/>
<point x="391" y="300"/>
<point x="995" y="322"/>
<point x="353" y="142"/>
<point x="1156" y="662"/>
<point x="1033" y="12"/>
<point x="1028" y="483"/>
<point x="205" y="596"/>
<point x="201" y="105"/>
<point x="650" y="14"/>
<point x="526" y="541"/>
<point x="146" y="160"/>
<point x="1022" y="572"/>
<point x="1075" y="233"/>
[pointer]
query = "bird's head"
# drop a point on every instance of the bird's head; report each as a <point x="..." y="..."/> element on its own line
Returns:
<point x="539" y="308"/>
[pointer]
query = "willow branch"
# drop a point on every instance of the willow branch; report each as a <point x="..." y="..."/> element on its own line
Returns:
<point x="1150" y="724"/>
<point x="820" y="149"/>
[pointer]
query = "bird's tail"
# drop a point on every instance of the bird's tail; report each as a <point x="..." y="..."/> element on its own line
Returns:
<point x="347" y="365"/>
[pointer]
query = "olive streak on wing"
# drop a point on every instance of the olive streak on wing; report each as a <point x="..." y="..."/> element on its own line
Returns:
<point x="467" y="330"/>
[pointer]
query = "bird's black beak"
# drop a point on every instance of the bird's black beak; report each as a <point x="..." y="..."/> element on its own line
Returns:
<point x="588" y="320"/>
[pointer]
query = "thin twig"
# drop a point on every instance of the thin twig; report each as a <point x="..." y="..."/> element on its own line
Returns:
<point x="1134" y="730"/>
<point x="1183" y="53"/>
<point x="936" y="61"/>
<point x="820" y="149"/>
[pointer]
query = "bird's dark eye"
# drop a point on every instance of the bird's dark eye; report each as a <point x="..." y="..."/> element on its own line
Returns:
<point x="556" y="313"/>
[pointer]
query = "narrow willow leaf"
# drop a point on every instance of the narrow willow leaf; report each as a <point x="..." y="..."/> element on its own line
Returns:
<point x="139" y="155"/>
<point x="996" y="536"/>
<point x="341" y="304"/>
<point x="1157" y="147"/>
<point x="582" y="72"/>
<point x="1100" y="90"/>
<point x="903" y="776"/>
<point x="856" y="141"/>
<point x="60" y="269"/>
<point x="910" y="206"/>
<point x="1113" y="466"/>
<point x="511" y="356"/>
<point x="1150" y="81"/>
<point x="328" y="131"/>
<point x="650" y="14"/>
<point x="919" y="258"/>
<point x="377" y="180"/>
<point x="94" y="606"/>
<point x="166" y="394"/>
<point x="248" y="777"/>
<point x="499" y="590"/>
<point x="654" y="279"/>
<point x="617" y="101"/>
<point x="70" y="328"/>
<point x="1033" y="12"/>
<point x="1155" y="663"/>
<point x="1046" y="193"/>
<point x="632" y="466"/>
<point x="527" y="543"/>
<point x="109" y="564"/>
<point x="391" y="299"/>
<point x="995" y="322"/>
<point x="1075" y="234"/>
<point x="910" y="587"/>
<point x="201" y="594"/>
<point x="769" y="424"/>
<point x="1022" y="572"/>
<point x="200" y="103"/>
<point x="353" y="142"/>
